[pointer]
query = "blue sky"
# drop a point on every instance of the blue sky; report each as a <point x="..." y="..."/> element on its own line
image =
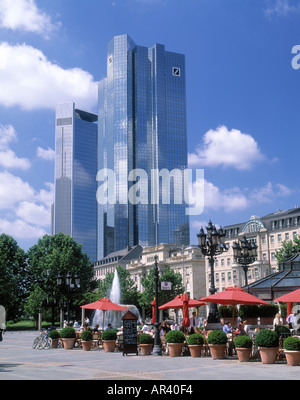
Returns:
<point x="243" y="97"/>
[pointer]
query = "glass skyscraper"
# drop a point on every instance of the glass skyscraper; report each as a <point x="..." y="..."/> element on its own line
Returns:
<point x="75" y="207"/>
<point x="141" y="126"/>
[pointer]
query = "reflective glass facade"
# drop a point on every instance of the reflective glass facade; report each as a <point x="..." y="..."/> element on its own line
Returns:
<point x="142" y="125"/>
<point x="75" y="207"/>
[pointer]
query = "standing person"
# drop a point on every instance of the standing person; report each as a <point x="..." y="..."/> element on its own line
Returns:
<point x="86" y="320"/>
<point x="277" y="321"/>
<point x="291" y="319"/>
<point x="194" y="322"/>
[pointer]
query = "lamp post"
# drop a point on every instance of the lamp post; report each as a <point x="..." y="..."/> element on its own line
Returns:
<point x="69" y="282"/>
<point x="157" y="351"/>
<point x="244" y="253"/>
<point x="212" y="244"/>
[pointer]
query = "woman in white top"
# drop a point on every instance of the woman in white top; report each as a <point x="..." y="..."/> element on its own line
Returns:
<point x="277" y="321"/>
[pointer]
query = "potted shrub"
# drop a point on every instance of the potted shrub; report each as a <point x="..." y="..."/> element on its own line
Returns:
<point x="267" y="342"/>
<point x="291" y="346"/>
<point x="54" y="336"/>
<point x="146" y="344"/>
<point x="249" y="312"/>
<point x="195" y="344"/>
<point x="267" y="313"/>
<point x="175" y="340"/>
<point x="86" y="340"/>
<point x="243" y="346"/>
<point x="217" y="341"/>
<point x="109" y="338"/>
<point x="68" y="336"/>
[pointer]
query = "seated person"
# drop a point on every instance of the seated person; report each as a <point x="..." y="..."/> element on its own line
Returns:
<point x="145" y="328"/>
<point x="227" y="327"/>
<point x="108" y="326"/>
<point x="96" y="328"/>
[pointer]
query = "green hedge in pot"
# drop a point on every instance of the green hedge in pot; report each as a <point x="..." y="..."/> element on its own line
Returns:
<point x="109" y="334"/>
<point x="175" y="337"/>
<point x="68" y="333"/>
<point x="267" y="338"/>
<point x="195" y="338"/>
<point x="217" y="337"/>
<point x="243" y="342"/>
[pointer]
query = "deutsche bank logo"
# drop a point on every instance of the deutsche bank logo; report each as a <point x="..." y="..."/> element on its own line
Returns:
<point x="296" y="59"/>
<point x="176" y="71"/>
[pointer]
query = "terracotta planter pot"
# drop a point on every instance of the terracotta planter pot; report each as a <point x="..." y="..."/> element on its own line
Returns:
<point x="243" y="354"/>
<point x="146" y="349"/>
<point x="217" y="351"/>
<point x="268" y="354"/>
<point x="109" y="346"/>
<point x="175" y="349"/>
<point x="195" y="350"/>
<point x="68" y="343"/>
<point x="292" y="357"/>
<point x="86" y="345"/>
<point x="54" y="344"/>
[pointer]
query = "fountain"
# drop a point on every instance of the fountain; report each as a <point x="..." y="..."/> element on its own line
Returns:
<point x="114" y="317"/>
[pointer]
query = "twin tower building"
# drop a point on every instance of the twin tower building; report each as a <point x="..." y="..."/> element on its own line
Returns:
<point x="106" y="194"/>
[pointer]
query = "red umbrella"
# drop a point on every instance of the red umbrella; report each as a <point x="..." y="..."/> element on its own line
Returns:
<point x="105" y="305"/>
<point x="153" y="312"/>
<point x="183" y="301"/>
<point x="233" y="295"/>
<point x="292" y="297"/>
<point x="178" y="303"/>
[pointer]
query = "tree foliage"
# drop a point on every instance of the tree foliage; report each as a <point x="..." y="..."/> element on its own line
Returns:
<point x="13" y="276"/>
<point x="288" y="248"/>
<point x="59" y="255"/>
<point x="164" y="296"/>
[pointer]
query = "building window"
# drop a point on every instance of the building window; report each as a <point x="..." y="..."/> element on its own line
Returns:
<point x="222" y="262"/>
<point x="279" y="238"/>
<point x="263" y="240"/>
<point x="272" y="256"/>
<point x="264" y="257"/>
<point x="272" y="239"/>
<point x="229" y="276"/>
<point x="217" y="277"/>
<point x="228" y="261"/>
<point x="287" y="236"/>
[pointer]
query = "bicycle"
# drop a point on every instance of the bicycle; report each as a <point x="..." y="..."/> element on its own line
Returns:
<point x="42" y="341"/>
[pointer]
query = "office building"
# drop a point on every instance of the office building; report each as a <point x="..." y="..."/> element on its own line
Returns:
<point x="75" y="207"/>
<point x="142" y="126"/>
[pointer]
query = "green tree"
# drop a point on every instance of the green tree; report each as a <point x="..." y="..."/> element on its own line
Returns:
<point x="60" y="255"/>
<point x="164" y="296"/>
<point x="129" y="292"/>
<point x="13" y="276"/>
<point x="34" y="303"/>
<point x="288" y="248"/>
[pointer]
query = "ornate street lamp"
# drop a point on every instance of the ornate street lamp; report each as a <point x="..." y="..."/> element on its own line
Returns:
<point x="69" y="282"/>
<point x="157" y="351"/>
<point x="244" y="253"/>
<point x="212" y="243"/>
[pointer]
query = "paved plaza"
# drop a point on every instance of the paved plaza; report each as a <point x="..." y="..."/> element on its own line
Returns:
<point x="18" y="361"/>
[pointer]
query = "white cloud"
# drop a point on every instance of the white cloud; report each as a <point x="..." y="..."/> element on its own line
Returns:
<point x="25" y="212"/>
<point x="48" y="154"/>
<point x="8" y="158"/>
<point x="24" y="15"/>
<point x="237" y="199"/>
<point x="20" y="229"/>
<point x="29" y="80"/>
<point x="32" y="213"/>
<point x="281" y="8"/>
<point x="228" y="148"/>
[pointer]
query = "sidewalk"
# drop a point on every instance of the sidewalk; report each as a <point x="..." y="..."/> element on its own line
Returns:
<point x="18" y="361"/>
